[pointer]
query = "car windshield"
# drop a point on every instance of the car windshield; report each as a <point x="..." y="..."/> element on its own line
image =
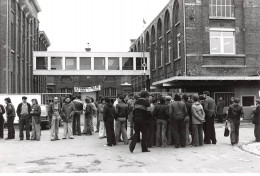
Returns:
<point x="43" y="110"/>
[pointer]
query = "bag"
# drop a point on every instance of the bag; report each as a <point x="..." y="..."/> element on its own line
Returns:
<point x="226" y="132"/>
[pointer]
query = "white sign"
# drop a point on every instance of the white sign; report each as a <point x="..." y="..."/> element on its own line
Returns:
<point x="87" y="89"/>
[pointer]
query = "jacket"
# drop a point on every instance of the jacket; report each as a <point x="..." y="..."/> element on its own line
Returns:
<point x="198" y="114"/>
<point x="109" y="113"/>
<point x="121" y="110"/>
<point x="220" y="107"/>
<point x="100" y="111"/>
<point x="161" y="111"/>
<point x="67" y="112"/>
<point x="19" y="109"/>
<point x="2" y="112"/>
<point x="78" y="104"/>
<point x="235" y="111"/>
<point x="178" y="110"/>
<point x="36" y="113"/>
<point x="257" y="115"/>
<point x="142" y="109"/>
<point x="51" y="110"/>
<point x="209" y="106"/>
<point x="89" y="111"/>
<point x="10" y="111"/>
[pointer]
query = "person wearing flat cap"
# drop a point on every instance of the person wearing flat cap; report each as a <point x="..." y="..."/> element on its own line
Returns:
<point x="256" y="121"/>
<point x="23" y="112"/>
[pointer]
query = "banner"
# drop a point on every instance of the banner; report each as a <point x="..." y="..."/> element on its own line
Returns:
<point x="87" y="89"/>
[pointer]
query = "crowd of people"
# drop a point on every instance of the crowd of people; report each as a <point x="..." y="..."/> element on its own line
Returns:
<point x="164" y="120"/>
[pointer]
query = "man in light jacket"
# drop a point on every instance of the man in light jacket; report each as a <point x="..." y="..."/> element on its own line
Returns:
<point x="67" y="117"/>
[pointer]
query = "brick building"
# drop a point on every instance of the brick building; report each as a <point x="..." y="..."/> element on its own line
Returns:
<point x="19" y="37"/>
<point x="198" y="45"/>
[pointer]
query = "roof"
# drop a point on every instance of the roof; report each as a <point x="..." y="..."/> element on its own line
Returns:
<point x="207" y="78"/>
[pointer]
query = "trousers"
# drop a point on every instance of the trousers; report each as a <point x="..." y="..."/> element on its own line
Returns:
<point x="67" y="127"/>
<point x="76" y="124"/>
<point x="120" y="128"/>
<point x="102" y="129"/>
<point x="111" y="139"/>
<point x="257" y="132"/>
<point x="179" y="132"/>
<point x="24" y="121"/>
<point x="161" y="126"/>
<point x="10" y="126"/>
<point x="36" y="130"/>
<point x="234" y="131"/>
<point x="55" y="127"/>
<point x="197" y="134"/>
<point x="210" y="134"/>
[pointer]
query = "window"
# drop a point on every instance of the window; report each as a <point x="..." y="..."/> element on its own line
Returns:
<point x="70" y="63"/>
<point x="155" y="60"/>
<point x="222" y="42"/>
<point x="85" y="63"/>
<point x="12" y="37"/>
<point x="178" y="46"/>
<point x="41" y="63"/>
<point x="169" y="52"/>
<point x="161" y="56"/>
<point x="221" y="8"/>
<point x="113" y="63"/>
<point x="248" y="100"/>
<point x="226" y="97"/>
<point x="56" y="63"/>
<point x="66" y="90"/>
<point x="99" y="63"/>
<point x="110" y="92"/>
<point x="139" y="63"/>
<point x="127" y="63"/>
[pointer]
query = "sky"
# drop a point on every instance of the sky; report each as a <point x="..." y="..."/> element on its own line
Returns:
<point x="107" y="25"/>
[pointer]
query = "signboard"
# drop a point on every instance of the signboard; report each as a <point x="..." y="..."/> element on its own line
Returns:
<point x="87" y="89"/>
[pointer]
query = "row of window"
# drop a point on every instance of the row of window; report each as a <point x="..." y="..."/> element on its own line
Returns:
<point x="85" y="63"/>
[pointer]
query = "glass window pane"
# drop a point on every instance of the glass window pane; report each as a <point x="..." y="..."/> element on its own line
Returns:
<point x="85" y="63"/>
<point x="223" y="11"/>
<point x="229" y="45"/>
<point x="230" y="34"/>
<point x="127" y="63"/>
<point x="223" y="2"/>
<point x="215" y="45"/>
<point x="139" y="62"/>
<point x="219" y="2"/>
<point x="219" y="11"/>
<point x="248" y="101"/>
<point x="113" y="63"/>
<point x="214" y="10"/>
<point x="214" y="2"/>
<point x="70" y="63"/>
<point x="214" y="33"/>
<point x="41" y="63"/>
<point x="232" y="11"/>
<point x="99" y="63"/>
<point x="228" y="13"/>
<point x="56" y="63"/>
<point x="228" y="2"/>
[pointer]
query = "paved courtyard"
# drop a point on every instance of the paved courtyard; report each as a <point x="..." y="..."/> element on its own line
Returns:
<point x="88" y="154"/>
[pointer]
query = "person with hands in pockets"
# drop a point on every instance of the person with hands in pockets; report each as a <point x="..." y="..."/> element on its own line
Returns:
<point x="36" y="120"/>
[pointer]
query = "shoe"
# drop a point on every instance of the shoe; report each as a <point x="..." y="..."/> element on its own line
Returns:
<point x="146" y="151"/>
<point x="57" y="139"/>
<point x="96" y="131"/>
<point x="183" y="146"/>
<point x="107" y="145"/>
<point x="52" y="139"/>
<point x="71" y="137"/>
<point x="232" y="143"/>
<point x="21" y="139"/>
<point x="207" y="142"/>
<point x="27" y="139"/>
<point x="177" y="146"/>
<point x="131" y="150"/>
<point x="79" y="134"/>
<point x="64" y="138"/>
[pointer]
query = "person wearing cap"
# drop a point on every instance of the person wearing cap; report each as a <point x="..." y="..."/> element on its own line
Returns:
<point x="67" y="110"/>
<point x="257" y="121"/>
<point x="209" y="108"/>
<point x="36" y="120"/>
<point x="235" y="112"/>
<point x="23" y="111"/>
<point x="54" y="112"/>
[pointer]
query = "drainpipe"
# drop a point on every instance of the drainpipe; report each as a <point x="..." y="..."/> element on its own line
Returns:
<point x="184" y="36"/>
<point x="7" y="47"/>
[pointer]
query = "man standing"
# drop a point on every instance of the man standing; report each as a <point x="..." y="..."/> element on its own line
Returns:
<point x="54" y="113"/>
<point x="23" y="112"/>
<point x="209" y="107"/>
<point x="130" y="103"/>
<point x="10" y="115"/>
<point x="219" y="110"/>
<point x="78" y="104"/>
<point x="188" y="118"/>
<point x="67" y="117"/>
<point x="142" y="112"/>
<point x="235" y="111"/>
<point x="2" y="112"/>
<point x="257" y="121"/>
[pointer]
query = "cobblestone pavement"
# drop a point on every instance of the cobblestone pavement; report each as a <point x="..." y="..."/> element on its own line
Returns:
<point x="88" y="154"/>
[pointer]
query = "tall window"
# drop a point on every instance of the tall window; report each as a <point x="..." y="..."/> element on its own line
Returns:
<point x="169" y="52"/>
<point x="222" y="42"/>
<point x="178" y="46"/>
<point x="71" y="63"/>
<point x="155" y="60"/>
<point x="161" y="56"/>
<point x="99" y="63"/>
<point x="221" y="8"/>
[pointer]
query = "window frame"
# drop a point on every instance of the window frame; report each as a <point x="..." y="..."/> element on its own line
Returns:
<point x="222" y="37"/>
<point x="178" y="42"/>
<point x="254" y="104"/>
<point x="231" y="7"/>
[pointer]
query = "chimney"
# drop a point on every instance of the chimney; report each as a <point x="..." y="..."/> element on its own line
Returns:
<point x="88" y="49"/>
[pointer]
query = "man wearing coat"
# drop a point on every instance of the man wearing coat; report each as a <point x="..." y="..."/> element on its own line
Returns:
<point x="23" y="111"/>
<point x="2" y="112"/>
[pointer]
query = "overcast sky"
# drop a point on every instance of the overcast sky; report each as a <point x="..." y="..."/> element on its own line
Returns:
<point x="107" y="25"/>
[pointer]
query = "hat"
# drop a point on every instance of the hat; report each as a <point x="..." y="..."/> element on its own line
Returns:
<point x="257" y="100"/>
<point x="168" y="98"/>
<point x="24" y="98"/>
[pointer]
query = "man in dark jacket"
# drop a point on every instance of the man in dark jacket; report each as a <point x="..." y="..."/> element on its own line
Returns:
<point x="108" y="117"/>
<point x="257" y="121"/>
<point x="2" y="112"/>
<point x="142" y="113"/>
<point x="78" y="104"/>
<point x="10" y="115"/>
<point x="235" y="111"/>
<point x="23" y="111"/>
<point x="209" y="108"/>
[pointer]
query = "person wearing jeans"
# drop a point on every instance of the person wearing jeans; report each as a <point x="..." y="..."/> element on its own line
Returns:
<point x="78" y="104"/>
<point x="121" y="119"/>
<point x="102" y="128"/>
<point x="23" y="112"/>
<point x="235" y="112"/>
<point x="198" y="117"/>
<point x="36" y="120"/>
<point x="10" y="114"/>
<point x="54" y="112"/>
<point x="161" y="113"/>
